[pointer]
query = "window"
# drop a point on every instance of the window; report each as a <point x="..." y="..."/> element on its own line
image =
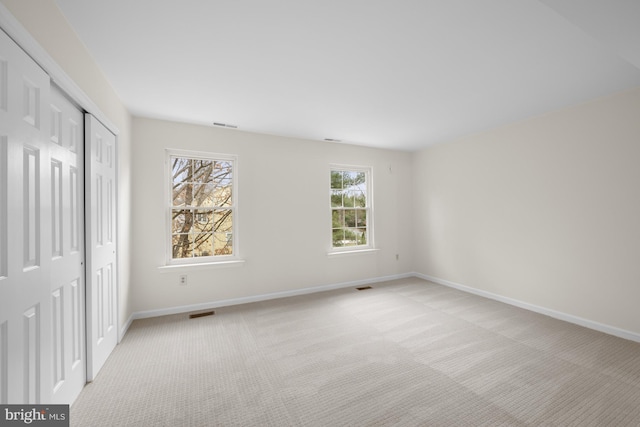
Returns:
<point x="350" y="208"/>
<point x="202" y="207"/>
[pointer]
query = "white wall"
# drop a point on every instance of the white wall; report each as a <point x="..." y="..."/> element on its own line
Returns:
<point x="546" y="211"/>
<point x="44" y="21"/>
<point x="283" y="215"/>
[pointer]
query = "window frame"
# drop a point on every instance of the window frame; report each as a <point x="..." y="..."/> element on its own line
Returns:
<point x="369" y="206"/>
<point x="199" y="155"/>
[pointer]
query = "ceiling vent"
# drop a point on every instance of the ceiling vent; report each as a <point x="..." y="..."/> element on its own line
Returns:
<point x="225" y="125"/>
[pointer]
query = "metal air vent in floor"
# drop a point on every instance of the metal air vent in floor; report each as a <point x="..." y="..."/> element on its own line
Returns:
<point x="203" y="314"/>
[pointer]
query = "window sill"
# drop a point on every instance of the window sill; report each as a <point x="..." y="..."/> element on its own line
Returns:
<point x="178" y="268"/>
<point x="353" y="252"/>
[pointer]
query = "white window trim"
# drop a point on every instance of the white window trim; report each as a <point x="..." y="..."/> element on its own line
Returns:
<point x="370" y="251"/>
<point x="185" y="268"/>
<point x="211" y="261"/>
<point x="370" y="246"/>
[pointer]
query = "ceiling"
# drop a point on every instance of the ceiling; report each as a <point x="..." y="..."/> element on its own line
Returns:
<point x="401" y="74"/>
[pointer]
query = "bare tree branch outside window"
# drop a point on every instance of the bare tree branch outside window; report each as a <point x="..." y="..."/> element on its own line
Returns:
<point x="202" y="207"/>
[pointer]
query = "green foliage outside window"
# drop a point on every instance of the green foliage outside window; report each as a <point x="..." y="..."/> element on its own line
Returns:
<point x="349" y="208"/>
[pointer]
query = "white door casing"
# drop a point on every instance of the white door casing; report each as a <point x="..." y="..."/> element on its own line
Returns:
<point x="100" y="183"/>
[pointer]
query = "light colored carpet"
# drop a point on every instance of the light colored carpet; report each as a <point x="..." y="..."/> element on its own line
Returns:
<point x="405" y="353"/>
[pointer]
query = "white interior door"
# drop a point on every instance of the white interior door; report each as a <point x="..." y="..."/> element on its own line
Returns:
<point x="67" y="245"/>
<point x="42" y="350"/>
<point x="102" y="308"/>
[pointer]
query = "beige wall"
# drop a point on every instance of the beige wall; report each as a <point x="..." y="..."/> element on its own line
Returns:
<point x="546" y="211"/>
<point x="284" y="217"/>
<point x="44" y="21"/>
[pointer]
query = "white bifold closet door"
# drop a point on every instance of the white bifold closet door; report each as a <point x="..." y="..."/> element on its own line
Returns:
<point x="42" y="301"/>
<point x="102" y="298"/>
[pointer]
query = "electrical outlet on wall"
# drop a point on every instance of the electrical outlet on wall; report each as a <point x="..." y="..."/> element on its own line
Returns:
<point x="183" y="280"/>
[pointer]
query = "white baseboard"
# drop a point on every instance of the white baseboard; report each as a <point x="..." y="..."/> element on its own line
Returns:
<point x="125" y="328"/>
<point x="607" y="329"/>
<point x="257" y="298"/>
<point x="611" y="330"/>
